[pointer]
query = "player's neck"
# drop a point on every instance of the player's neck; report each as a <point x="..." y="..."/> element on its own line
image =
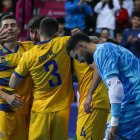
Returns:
<point x="11" y="45"/>
<point x="92" y="47"/>
<point x="44" y="38"/>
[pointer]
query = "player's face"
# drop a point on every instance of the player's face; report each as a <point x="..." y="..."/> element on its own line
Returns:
<point x="34" y="35"/>
<point x="11" y="28"/>
<point x="82" y="55"/>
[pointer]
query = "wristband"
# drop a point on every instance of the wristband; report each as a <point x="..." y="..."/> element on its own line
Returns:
<point x="114" y="121"/>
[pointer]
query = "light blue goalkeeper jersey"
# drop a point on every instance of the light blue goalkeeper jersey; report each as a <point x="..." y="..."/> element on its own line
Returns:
<point x="112" y="59"/>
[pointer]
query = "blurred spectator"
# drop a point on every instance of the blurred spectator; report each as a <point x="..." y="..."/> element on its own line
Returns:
<point x="61" y="22"/>
<point x="131" y="37"/>
<point x="105" y="33"/>
<point x="118" y="37"/>
<point x="129" y="5"/>
<point x="137" y="5"/>
<point x="8" y="7"/>
<point x="122" y="18"/>
<point x="101" y="39"/>
<point x="76" y="12"/>
<point x="106" y="10"/>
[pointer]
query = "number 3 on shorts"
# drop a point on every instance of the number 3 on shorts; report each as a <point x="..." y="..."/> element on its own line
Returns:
<point x="54" y="73"/>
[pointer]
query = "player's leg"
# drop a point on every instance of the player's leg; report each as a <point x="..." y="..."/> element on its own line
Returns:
<point x="7" y="124"/>
<point x="39" y="128"/>
<point x="59" y="126"/>
<point x="92" y="126"/>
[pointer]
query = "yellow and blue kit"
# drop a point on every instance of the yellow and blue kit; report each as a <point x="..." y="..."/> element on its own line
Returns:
<point x="50" y="69"/>
<point x="91" y="126"/>
<point x="13" y="122"/>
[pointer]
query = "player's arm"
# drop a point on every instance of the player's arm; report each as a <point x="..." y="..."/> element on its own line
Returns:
<point x="15" y="80"/>
<point x="94" y="84"/>
<point x="107" y="62"/>
<point x="20" y="72"/>
<point x="116" y="93"/>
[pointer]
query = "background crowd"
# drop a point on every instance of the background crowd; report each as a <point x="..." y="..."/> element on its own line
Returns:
<point x="111" y="18"/>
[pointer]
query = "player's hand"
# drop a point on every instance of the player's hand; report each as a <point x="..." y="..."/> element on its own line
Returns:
<point x="3" y="35"/>
<point x="87" y="105"/>
<point x="74" y="31"/>
<point x="14" y="100"/>
<point x="112" y="132"/>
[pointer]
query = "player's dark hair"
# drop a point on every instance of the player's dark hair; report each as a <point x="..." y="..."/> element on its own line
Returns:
<point x="96" y="34"/>
<point x="60" y="20"/>
<point x="34" y="22"/>
<point x="5" y="17"/>
<point x="75" y="39"/>
<point x="112" y="41"/>
<point x="48" y="27"/>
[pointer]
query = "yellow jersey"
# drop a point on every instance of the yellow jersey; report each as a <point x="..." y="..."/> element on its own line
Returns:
<point x="50" y="69"/>
<point x="8" y="62"/>
<point x="84" y="76"/>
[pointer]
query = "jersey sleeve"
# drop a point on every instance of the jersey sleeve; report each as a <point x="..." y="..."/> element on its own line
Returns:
<point x="106" y="61"/>
<point x="65" y="38"/>
<point x="22" y="68"/>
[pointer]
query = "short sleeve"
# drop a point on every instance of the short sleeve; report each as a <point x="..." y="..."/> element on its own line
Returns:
<point x="22" y="68"/>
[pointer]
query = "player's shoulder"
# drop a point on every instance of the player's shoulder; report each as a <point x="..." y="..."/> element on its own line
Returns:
<point x="104" y="49"/>
<point x="61" y="39"/>
<point x="27" y="45"/>
<point x="30" y="55"/>
<point x="25" y="42"/>
<point x="103" y="46"/>
<point x="33" y="50"/>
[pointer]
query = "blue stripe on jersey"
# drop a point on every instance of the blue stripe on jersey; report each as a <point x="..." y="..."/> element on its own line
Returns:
<point x="18" y="75"/>
<point x="5" y="107"/>
<point x="43" y="42"/>
<point x="3" y="53"/>
<point x="4" y="81"/>
<point x="7" y="49"/>
<point x="4" y="68"/>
